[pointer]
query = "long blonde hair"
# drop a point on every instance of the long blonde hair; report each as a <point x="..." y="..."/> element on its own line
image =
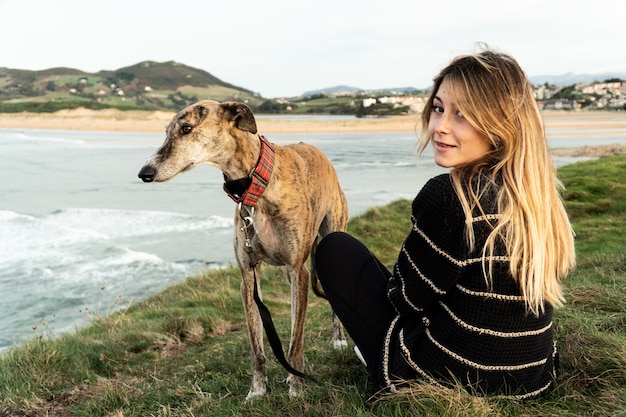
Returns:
<point x="494" y="95"/>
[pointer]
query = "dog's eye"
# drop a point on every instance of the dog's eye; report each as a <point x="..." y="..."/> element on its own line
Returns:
<point x="186" y="129"/>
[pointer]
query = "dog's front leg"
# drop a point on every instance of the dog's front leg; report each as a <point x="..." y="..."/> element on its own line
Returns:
<point x="255" y="333"/>
<point x="299" y="278"/>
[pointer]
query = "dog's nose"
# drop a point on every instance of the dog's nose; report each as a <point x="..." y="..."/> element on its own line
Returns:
<point x="147" y="173"/>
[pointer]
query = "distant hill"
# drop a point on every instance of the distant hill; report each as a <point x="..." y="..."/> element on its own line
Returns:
<point x="171" y="85"/>
<point x="168" y="76"/>
<point x="558" y="80"/>
<point x="338" y="89"/>
<point x="345" y="90"/>
<point x="571" y="78"/>
<point x="146" y="85"/>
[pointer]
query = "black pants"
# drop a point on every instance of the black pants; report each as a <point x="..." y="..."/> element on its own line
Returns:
<point x="355" y="283"/>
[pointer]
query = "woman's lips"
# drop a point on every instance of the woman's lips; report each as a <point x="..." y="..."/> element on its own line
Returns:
<point x="444" y="146"/>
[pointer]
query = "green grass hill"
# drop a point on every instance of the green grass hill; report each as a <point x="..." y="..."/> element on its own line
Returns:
<point x="147" y="85"/>
<point x="185" y="352"/>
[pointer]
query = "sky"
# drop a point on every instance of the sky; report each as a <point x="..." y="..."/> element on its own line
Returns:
<point x="282" y="48"/>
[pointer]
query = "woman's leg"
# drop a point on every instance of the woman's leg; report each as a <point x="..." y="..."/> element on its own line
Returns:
<point x="355" y="283"/>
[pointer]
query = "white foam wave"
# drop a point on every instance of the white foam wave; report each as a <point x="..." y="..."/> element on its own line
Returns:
<point x="116" y="263"/>
<point x="63" y="236"/>
<point x="26" y="236"/>
<point x="379" y="164"/>
<point x="131" y="223"/>
<point x="25" y="137"/>
<point x="6" y="215"/>
<point x="401" y="164"/>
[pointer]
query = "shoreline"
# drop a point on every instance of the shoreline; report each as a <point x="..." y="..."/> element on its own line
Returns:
<point x="156" y="121"/>
<point x="585" y="123"/>
<point x="578" y="123"/>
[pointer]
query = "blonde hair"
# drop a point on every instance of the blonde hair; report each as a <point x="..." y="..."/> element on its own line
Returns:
<point x="494" y="95"/>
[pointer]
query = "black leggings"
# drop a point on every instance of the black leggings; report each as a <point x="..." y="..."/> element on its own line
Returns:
<point x="355" y="283"/>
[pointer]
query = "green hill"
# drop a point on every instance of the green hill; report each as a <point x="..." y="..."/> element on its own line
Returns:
<point x="185" y="351"/>
<point x="147" y="85"/>
<point x="167" y="86"/>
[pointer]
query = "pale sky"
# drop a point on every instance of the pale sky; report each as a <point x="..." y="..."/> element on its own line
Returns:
<point x="282" y="48"/>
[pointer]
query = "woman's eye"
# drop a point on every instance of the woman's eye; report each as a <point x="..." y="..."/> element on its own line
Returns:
<point x="186" y="129"/>
<point x="460" y="115"/>
<point x="437" y="109"/>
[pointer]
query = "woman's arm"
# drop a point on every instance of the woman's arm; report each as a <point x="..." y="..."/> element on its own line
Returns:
<point x="431" y="259"/>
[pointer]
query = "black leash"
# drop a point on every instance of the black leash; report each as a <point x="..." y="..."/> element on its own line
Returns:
<point x="272" y="335"/>
<point x="266" y="317"/>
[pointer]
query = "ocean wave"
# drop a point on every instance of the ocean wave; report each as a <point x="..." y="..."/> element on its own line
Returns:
<point x="131" y="223"/>
<point x="402" y="164"/>
<point x="59" y="288"/>
<point x="118" y="263"/>
<point x="22" y="136"/>
<point x="62" y="235"/>
<point x="342" y="165"/>
<point x="26" y="236"/>
<point x="382" y="164"/>
<point x="7" y="215"/>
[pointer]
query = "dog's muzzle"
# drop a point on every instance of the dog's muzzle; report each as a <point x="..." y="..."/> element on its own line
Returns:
<point x="147" y="173"/>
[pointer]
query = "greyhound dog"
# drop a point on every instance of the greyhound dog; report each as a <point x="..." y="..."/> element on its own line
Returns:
<point x="287" y="196"/>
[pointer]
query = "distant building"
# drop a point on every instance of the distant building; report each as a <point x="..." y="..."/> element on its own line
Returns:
<point x="369" y="102"/>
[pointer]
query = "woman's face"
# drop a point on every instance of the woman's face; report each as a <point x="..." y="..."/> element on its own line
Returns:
<point x="455" y="140"/>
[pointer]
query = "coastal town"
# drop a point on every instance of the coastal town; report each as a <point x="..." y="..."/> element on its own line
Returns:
<point x="606" y="95"/>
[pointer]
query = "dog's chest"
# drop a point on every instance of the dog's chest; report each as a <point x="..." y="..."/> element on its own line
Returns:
<point x="270" y="240"/>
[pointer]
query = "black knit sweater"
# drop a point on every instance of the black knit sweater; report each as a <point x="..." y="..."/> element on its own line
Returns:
<point x="451" y="326"/>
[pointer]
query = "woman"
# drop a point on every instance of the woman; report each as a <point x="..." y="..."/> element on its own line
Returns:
<point x="471" y="296"/>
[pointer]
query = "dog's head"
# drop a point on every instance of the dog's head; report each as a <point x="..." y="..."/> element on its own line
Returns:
<point x="207" y="132"/>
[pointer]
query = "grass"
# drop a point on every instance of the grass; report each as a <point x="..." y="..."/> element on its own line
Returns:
<point x="184" y="352"/>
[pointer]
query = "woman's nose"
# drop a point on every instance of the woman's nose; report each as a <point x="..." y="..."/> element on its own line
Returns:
<point x="443" y="124"/>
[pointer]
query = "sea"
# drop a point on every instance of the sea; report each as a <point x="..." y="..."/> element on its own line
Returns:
<point x="81" y="235"/>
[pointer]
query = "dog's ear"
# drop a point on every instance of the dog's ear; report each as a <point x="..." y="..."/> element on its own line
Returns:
<point x="200" y="113"/>
<point x="240" y="115"/>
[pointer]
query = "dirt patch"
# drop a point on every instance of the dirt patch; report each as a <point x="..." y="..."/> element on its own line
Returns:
<point x="59" y="404"/>
<point x="224" y="327"/>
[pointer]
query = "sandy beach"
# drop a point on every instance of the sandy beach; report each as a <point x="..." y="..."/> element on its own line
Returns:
<point x="575" y="123"/>
<point x="155" y="121"/>
<point x="583" y="123"/>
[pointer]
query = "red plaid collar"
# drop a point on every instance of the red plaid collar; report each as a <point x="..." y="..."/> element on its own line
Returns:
<point x="248" y="190"/>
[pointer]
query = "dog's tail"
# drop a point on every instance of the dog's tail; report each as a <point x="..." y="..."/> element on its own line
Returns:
<point x="315" y="283"/>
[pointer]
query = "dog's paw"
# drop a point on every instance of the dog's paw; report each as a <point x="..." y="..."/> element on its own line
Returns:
<point x="296" y="385"/>
<point x="295" y="392"/>
<point x="258" y="388"/>
<point x="254" y="394"/>
<point x="340" y="344"/>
